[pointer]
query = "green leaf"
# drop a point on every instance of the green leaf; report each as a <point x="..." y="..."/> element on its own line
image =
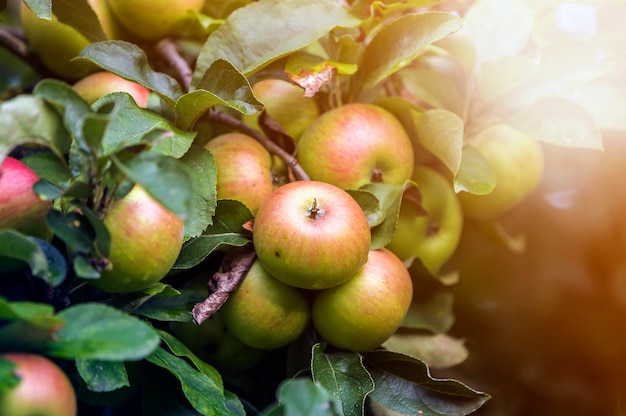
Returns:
<point x="37" y="314"/>
<point x="342" y="374"/>
<point x="79" y="15"/>
<point x="404" y="385"/>
<point x="474" y="175"/>
<point x="49" y="167"/>
<point x="433" y="87"/>
<point x="302" y="397"/>
<point x="255" y="35"/>
<point x="436" y="350"/>
<point x="226" y="229"/>
<point x="370" y="206"/>
<point x="202" y="171"/>
<point x="434" y="313"/>
<point x="102" y="242"/>
<point x="102" y="376"/>
<point x="8" y="379"/>
<point x="84" y="269"/>
<point x="167" y="306"/>
<point x="99" y="332"/>
<point x="44" y="260"/>
<point x="41" y="8"/>
<point x="200" y="390"/>
<point x="28" y="325"/>
<point x="400" y="42"/>
<point x="441" y="132"/>
<point x="132" y="64"/>
<point x="73" y="229"/>
<point x="129" y="302"/>
<point x="132" y="125"/>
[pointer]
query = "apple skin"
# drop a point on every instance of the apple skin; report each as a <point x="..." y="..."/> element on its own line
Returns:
<point x="364" y="312"/>
<point x="244" y="169"/>
<point x="286" y="104"/>
<point x="264" y="312"/>
<point x="311" y="235"/>
<point x="433" y="237"/>
<point x="44" y="389"/>
<point x="154" y="19"/>
<point x="356" y="144"/>
<point x="99" y="84"/>
<point x="517" y="162"/>
<point x="146" y="239"/>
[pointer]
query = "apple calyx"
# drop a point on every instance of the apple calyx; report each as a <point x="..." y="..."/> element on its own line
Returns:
<point x="376" y="176"/>
<point x="315" y="212"/>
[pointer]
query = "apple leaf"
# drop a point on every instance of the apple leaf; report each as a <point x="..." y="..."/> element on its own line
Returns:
<point x="256" y="35"/>
<point x="73" y="228"/>
<point x="441" y="132"/>
<point x="130" y="62"/>
<point x="370" y="206"/>
<point x="301" y="396"/>
<point x="436" y="350"/>
<point x="102" y="242"/>
<point x="226" y="229"/>
<point x="37" y="314"/>
<point x="45" y="260"/>
<point x="8" y="379"/>
<point x="404" y="385"/>
<point x="129" y="302"/>
<point x="434" y="313"/>
<point x="474" y="175"/>
<point x="167" y="306"/>
<point x="342" y="374"/>
<point x="431" y="87"/>
<point x="400" y="42"/>
<point x="79" y="15"/>
<point x="27" y="325"/>
<point x="49" y="167"/>
<point x="203" y="394"/>
<point x="102" y="376"/>
<point x="502" y="75"/>
<point x="99" y="332"/>
<point x="312" y="72"/>
<point x="41" y="8"/>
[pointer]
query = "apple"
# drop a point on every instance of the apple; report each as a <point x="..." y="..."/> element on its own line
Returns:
<point x="356" y="144"/>
<point x="43" y="389"/>
<point x="20" y="208"/>
<point x="56" y="44"/>
<point x="364" y="312"/>
<point x="516" y="159"/>
<point x="432" y="236"/>
<point x="109" y="23"/>
<point x="146" y="239"/>
<point x="264" y="312"/>
<point x="99" y="84"/>
<point x="154" y="19"/>
<point x="286" y="104"/>
<point x="311" y="235"/>
<point x="244" y="169"/>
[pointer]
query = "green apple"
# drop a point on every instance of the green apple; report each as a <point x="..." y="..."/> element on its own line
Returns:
<point x="99" y="84"/>
<point x="146" y="239"/>
<point x="154" y="19"/>
<point x="431" y="236"/>
<point x="311" y="234"/>
<point x="356" y="144"/>
<point x="244" y="169"/>
<point x="43" y="389"/>
<point x="362" y="313"/>
<point x="516" y="160"/>
<point x="264" y="312"/>
<point x="109" y="23"/>
<point x="286" y="104"/>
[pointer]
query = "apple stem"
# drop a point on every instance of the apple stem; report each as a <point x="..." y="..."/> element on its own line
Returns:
<point x="169" y="50"/>
<point x="315" y="212"/>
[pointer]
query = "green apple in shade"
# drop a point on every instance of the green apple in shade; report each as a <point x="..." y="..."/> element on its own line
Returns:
<point x="43" y="388"/>
<point x="286" y="104"/>
<point x="244" y="169"/>
<point x="356" y="144"/>
<point x="364" y="312"/>
<point x="154" y="19"/>
<point x="430" y="229"/>
<point x="146" y="239"/>
<point x="99" y="84"/>
<point x="264" y="312"/>
<point x="517" y="162"/>
<point x="311" y="235"/>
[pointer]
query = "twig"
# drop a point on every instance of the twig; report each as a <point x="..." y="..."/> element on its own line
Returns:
<point x="18" y="47"/>
<point x="168" y="49"/>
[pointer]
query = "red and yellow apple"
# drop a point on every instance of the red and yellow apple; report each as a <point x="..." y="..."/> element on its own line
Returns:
<point x="311" y="235"/>
<point x="99" y="84"/>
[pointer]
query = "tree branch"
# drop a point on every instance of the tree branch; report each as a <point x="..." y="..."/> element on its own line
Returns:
<point x="168" y="49"/>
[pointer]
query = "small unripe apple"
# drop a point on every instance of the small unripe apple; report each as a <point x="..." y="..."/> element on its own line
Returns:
<point x="516" y="159"/>
<point x="286" y="104"/>
<point x="362" y="313"/>
<point x="154" y="19"/>
<point x="243" y="169"/>
<point x="264" y="312"/>
<point x="43" y="389"/>
<point x="356" y="144"/>
<point x="311" y="235"/>
<point x="99" y="84"/>
<point x="146" y="239"/>
<point x="431" y="236"/>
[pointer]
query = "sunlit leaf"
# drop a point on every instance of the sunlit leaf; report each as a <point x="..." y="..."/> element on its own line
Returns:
<point x="475" y="175"/>
<point x="301" y="396"/>
<point x="434" y="313"/>
<point x="436" y="350"/>
<point x="441" y="132"/>
<point x="41" y="8"/>
<point x="501" y="75"/>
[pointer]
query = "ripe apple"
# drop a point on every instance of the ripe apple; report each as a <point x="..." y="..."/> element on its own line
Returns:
<point x="264" y="312"/>
<point x="362" y="313"/>
<point x="356" y="144"/>
<point x="56" y="44"/>
<point x="146" y="239"/>
<point x="154" y="19"/>
<point x="286" y="104"/>
<point x="517" y="162"/>
<point x="243" y="169"/>
<point x="432" y="236"/>
<point x="44" y="389"/>
<point x="311" y="234"/>
<point x="99" y="84"/>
